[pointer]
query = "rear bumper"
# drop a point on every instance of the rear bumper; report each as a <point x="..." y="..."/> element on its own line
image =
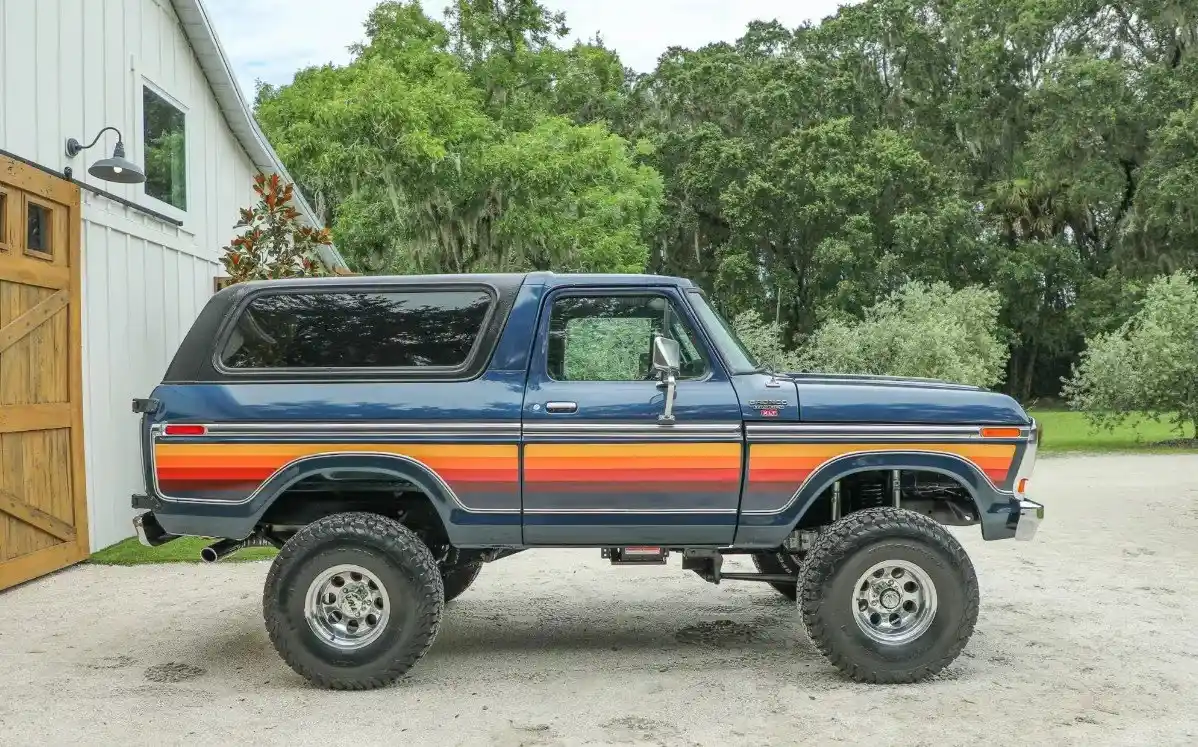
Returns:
<point x="1027" y="519"/>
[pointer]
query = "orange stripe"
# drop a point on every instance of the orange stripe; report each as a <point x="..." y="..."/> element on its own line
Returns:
<point x="832" y="450"/>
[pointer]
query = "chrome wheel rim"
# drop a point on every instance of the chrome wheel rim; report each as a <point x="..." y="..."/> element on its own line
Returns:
<point x="894" y="602"/>
<point x="347" y="607"/>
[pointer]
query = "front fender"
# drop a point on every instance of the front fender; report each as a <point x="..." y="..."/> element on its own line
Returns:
<point x="770" y="527"/>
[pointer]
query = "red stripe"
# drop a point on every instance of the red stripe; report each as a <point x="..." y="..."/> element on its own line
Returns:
<point x="223" y="474"/>
<point x="609" y="477"/>
<point x="199" y="486"/>
<point x="480" y="475"/>
<point x="779" y="475"/>
<point x="999" y="476"/>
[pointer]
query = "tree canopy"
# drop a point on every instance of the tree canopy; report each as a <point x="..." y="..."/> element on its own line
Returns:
<point x="1043" y="149"/>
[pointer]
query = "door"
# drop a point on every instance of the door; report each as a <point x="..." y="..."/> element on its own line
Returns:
<point x="43" y="511"/>
<point x="600" y="466"/>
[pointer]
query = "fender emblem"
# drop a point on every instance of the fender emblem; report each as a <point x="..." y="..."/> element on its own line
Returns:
<point x="767" y="404"/>
<point x="768" y="408"/>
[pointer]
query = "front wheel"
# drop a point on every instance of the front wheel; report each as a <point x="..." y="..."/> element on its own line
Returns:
<point x="353" y="601"/>
<point x="889" y="596"/>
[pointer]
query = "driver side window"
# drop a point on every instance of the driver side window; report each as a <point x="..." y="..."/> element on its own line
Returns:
<point x="610" y="338"/>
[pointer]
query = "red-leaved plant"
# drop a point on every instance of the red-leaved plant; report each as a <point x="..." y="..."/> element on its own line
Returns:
<point x="274" y="244"/>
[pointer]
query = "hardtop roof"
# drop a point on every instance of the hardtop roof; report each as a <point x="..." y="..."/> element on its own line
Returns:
<point x="550" y="279"/>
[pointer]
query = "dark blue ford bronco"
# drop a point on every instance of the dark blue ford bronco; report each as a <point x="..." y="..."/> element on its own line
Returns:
<point x="391" y="435"/>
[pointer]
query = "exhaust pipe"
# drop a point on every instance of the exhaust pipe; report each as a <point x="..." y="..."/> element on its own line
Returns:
<point x="226" y="547"/>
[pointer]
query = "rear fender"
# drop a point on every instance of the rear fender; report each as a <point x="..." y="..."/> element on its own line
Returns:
<point x="237" y="519"/>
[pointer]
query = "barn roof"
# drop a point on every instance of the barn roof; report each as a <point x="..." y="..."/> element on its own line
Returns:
<point x="236" y="111"/>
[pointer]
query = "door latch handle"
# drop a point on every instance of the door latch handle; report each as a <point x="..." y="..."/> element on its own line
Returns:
<point x="561" y="407"/>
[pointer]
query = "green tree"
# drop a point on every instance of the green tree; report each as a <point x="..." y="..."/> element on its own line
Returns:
<point x="419" y="168"/>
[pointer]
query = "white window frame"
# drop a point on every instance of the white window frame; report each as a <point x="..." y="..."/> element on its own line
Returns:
<point x="142" y="82"/>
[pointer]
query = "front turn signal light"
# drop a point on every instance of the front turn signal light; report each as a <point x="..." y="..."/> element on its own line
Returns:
<point x="1000" y="433"/>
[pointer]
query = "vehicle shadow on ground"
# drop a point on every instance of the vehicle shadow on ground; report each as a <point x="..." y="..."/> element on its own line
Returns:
<point x="660" y="636"/>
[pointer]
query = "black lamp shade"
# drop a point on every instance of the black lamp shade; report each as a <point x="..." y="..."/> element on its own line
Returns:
<point x="118" y="168"/>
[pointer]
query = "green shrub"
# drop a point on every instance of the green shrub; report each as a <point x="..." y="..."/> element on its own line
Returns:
<point x="922" y="330"/>
<point x="1149" y="366"/>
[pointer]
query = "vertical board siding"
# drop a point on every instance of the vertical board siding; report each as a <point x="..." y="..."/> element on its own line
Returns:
<point x="140" y="298"/>
<point x="67" y="69"/>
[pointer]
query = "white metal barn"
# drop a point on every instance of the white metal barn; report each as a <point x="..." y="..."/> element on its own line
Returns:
<point x="99" y="280"/>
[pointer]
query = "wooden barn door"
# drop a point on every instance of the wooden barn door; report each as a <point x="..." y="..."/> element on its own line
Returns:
<point x="43" y="506"/>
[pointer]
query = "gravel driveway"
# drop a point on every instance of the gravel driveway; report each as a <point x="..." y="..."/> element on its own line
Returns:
<point x="1087" y="635"/>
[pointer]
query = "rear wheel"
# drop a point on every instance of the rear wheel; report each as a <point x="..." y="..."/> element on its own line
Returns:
<point x="889" y="596"/>
<point x="353" y="601"/>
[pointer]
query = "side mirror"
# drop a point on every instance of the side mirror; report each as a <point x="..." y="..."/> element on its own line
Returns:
<point x="667" y="356"/>
<point x="666" y="360"/>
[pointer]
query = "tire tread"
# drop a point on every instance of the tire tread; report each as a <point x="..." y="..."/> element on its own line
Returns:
<point x="848" y="535"/>
<point x="366" y="529"/>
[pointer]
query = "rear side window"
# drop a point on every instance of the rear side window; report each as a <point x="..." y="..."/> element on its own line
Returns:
<point x="405" y="329"/>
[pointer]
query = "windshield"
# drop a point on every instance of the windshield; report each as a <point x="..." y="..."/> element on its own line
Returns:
<point x="738" y="358"/>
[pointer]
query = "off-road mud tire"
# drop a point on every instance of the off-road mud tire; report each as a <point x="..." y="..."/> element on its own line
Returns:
<point x="847" y="549"/>
<point x="387" y="549"/>
<point x="458" y="578"/>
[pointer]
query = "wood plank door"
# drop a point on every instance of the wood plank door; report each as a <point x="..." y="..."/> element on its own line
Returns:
<point x="43" y="505"/>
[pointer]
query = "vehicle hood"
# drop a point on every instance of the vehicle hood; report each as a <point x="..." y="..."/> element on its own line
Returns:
<point x="837" y="398"/>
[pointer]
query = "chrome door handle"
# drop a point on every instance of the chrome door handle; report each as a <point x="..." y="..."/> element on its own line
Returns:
<point x="561" y="407"/>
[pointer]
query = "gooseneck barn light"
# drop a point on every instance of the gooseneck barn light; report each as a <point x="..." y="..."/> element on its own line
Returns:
<point x="115" y="169"/>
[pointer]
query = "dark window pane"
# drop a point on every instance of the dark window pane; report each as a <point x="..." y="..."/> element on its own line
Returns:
<point x="165" y="150"/>
<point x="37" y="235"/>
<point x="358" y="330"/>
<point x="610" y="338"/>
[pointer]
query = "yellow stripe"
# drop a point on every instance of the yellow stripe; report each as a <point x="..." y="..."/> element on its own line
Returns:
<point x="642" y="449"/>
<point x="415" y="451"/>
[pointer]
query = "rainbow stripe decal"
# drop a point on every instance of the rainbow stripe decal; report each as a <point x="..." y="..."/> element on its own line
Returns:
<point x="645" y="476"/>
<point x="778" y="470"/>
<point x="483" y="476"/>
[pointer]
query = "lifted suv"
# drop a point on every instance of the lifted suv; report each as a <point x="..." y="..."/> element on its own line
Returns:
<point x="392" y="435"/>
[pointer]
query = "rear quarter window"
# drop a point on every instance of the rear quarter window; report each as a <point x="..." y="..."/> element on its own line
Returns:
<point x="403" y="329"/>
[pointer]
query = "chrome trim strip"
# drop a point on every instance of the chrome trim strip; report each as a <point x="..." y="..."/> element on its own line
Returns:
<point x="1027" y="464"/>
<point x="724" y="511"/>
<point x="444" y="485"/>
<point x="881" y="433"/>
<point x="351" y="429"/>
<point x="616" y="432"/>
<point x="371" y="427"/>
<point x="851" y="454"/>
<point x="864" y="427"/>
<point x="592" y="426"/>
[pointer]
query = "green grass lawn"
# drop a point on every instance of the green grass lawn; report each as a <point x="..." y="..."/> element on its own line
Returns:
<point x="182" y="550"/>
<point x="1066" y="431"/>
